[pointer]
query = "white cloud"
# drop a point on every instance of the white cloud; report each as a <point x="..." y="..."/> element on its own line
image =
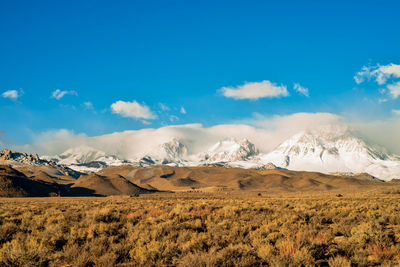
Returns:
<point x="255" y="90"/>
<point x="183" y="110"/>
<point x="163" y="107"/>
<point x="288" y="125"/>
<point x="173" y="118"/>
<point x="11" y="94"/>
<point x="396" y="112"/>
<point x="361" y="75"/>
<point x="381" y="73"/>
<point x="266" y="134"/>
<point x="145" y="122"/>
<point x="88" y="105"/>
<point x="394" y="89"/>
<point x="300" y="89"/>
<point x="382" y="132"/>
<point x="55" y="135"/>
<point x="53" y="142"/>
<point x="132" y="110"/>
<point x="58" y="94"/>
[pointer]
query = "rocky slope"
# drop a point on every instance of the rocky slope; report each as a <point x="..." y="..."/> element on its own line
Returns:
<point x="18" y="159"/>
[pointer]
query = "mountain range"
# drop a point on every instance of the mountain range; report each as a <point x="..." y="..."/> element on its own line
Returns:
<point x="327" y="149"/>
<point x="329" y="158"/>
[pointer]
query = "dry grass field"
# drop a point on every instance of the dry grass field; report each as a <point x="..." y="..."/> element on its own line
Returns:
<point x="199" y="229"/>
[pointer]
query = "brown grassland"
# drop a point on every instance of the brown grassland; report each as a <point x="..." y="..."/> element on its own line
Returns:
<point x="203" y="229"/>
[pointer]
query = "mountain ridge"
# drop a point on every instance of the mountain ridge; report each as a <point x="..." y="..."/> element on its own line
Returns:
<point x="327" y="149"/>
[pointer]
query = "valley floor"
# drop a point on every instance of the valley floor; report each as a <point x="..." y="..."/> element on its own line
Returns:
<point x="199" y="229"/>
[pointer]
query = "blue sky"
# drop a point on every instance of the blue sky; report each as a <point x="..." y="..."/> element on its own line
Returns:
<point x="165" y="55"/>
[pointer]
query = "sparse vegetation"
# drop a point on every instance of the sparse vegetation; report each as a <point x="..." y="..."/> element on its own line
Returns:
<point x="196" y="229"/>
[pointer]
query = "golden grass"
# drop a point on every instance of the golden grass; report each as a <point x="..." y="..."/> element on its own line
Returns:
<point x="195" y="229"/>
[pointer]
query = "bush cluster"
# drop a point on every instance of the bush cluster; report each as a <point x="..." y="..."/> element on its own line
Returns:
<point x="201" y="230"/>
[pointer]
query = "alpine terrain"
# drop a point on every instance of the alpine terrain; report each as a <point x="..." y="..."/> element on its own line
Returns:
<point x="331" y="149"/>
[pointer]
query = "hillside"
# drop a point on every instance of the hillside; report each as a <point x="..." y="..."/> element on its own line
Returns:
<point x="15" y="184"/>
<point x="41" y="180"/>
<point x="238" y="179"/>
<point x="108" y="185"/>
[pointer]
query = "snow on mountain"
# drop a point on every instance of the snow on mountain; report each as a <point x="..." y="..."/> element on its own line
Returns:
<point x="174" y="149"/>
<point x="230" y="150"/>
<point x="172" y="153"/>
<point x="333" y="149"/>
<point x="175" y="153"/>
<point x="7" y="155"/>
<point x="85" y="154"/>
<point x="326" y="149"/>
<point x="18" y="159"/>
<point x="85" y="158"/>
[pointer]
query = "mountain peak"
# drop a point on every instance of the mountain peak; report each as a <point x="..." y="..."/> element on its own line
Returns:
<point x="8" y="155"/>
<point x="330" y="139"/>
<point x="86" y="158"/>
<point x="17" y="159"/>
<point x="231" y="149"/>
<point x="171" y="152"/>
<point x="330" y="131"/>
<point x="329" y="148"/>
<point x="174" y="149"/>
<point x="333" y="149"/>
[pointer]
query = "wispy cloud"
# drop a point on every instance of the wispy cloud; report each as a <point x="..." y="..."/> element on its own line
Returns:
<point x="58" y="94"/>
<point x="300" y="89"/>
<point x="12" y="94"/>
<point x="379" y="73"/>
<point x="382" y="74"/>
<point x="88" y="105"/>
<point x="255" y="90"/>
<point x="266" y="132"/>
<point x="270" y="131"/>
<point x="145" y="122"/>
<point x="173" y="118"/>
<point x="394" y="89"/>
<point x="132" y="110"/>
<point x="183" y="110"/>
<point x="396" y="112"/>
<point x="163" y="107"/>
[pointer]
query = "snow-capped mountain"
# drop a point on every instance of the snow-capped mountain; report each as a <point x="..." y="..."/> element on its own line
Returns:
<point x="327" y="149"/>
<point x="229" y="150"/>
<point x="23" y="158"/>
<point x="18" y="159"/>
<point x="333" y="149"/>
<point x="173" y="152"/>
<point x="85" y="158"/>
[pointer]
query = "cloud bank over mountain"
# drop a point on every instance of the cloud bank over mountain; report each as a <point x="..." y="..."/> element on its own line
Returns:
<point x="265" y="132"/>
